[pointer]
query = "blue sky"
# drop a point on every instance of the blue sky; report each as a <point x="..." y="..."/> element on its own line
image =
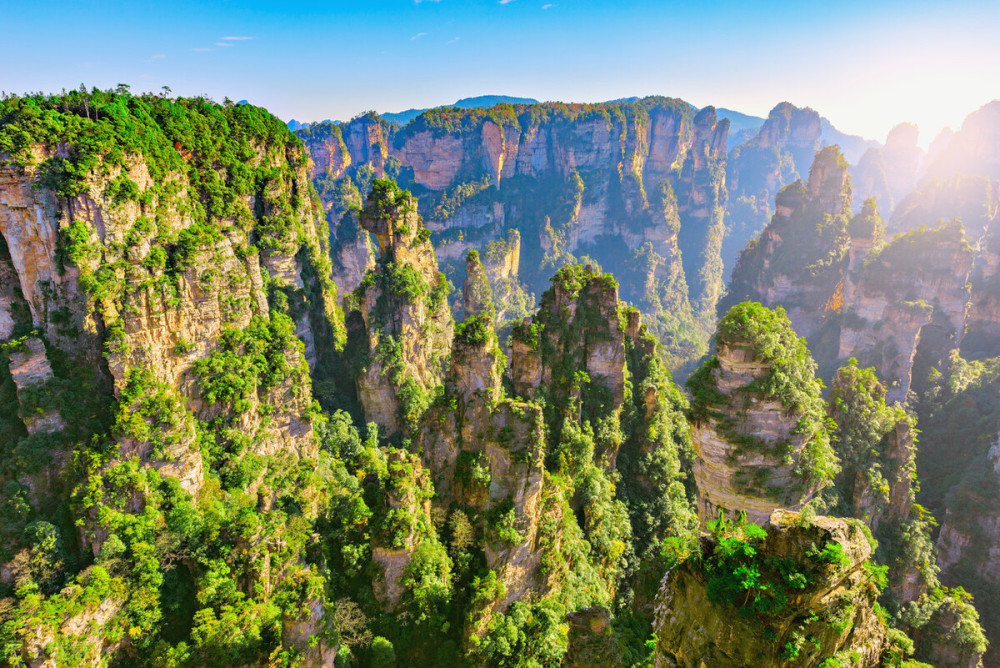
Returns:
<point x="864" y="65"/>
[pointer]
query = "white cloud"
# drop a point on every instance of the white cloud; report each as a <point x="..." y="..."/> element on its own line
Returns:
<point x="158" y="56"/>
<point x="236" y="39"/>
<point x="453" y="40"/>
<point x="200" y="49"/>
<point x="223" y="44"/>
<point x="548" y="6"/>
<point x="418" y="36"/>
<point x="504" y="2"/>
<point x="417" y="2"/>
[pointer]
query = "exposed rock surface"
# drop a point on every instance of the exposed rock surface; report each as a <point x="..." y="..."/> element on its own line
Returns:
<point x="406" y="315"/>
<point x="732" y="477"/>
<point x="580" y="323"/>
<point x="480" y="174"/>
<point x="796" y="261"/>
<point x="485" y="450"/>
<point x="409" y="503"/>
<point x="847" y="290"/>
<point x="890" y="172"/>
<point x="179" y="288"/>
<point x="833" y="615"/>
<point x="956" y="539"/>
<point x="913" y="282"/>
<point x="30" y="369"/>
<point x="85" y="628"/>
<point x="592" y="641"/>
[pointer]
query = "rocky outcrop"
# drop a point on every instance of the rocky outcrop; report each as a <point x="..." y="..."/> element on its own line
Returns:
<point x="406" y="524"/>
<point x="974" y="148"/>
<point x="592" y="641"/>
<point x="781" y="151"/>
<point x="86" y="629"/>
<point x="701" y="204"/>
<point x="796" y="263"/>
<point x="485" y="451"/>
<point x="962" y="533"/>
<point x="405" y="312"/>
<point x="180" y="285"/>
<point x="481" y="175"/>
<point x="29" y="224"/>
<point x="578" y="323"/>
<point x="889" y="172"/>
<point x="757" y="425"/>
<point x="30" y="369"/>
<point x="351" y="258"/>
<point x="304" y="633"/>
<point x="702" y="620"/>
<point x="913" y="286"/>
<point x="850" y="293"/>
<point x="477" y="295"/>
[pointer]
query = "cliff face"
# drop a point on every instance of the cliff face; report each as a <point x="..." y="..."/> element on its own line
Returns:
<point x="973" y="149"/>
<point x="797" y="261"/>
<point x="917" y="285"/>
<point x="890" y="172"/>
<point x="781" y="151"/>
<point x="570" y="179"/>
<point x="875" y="442"/>
<point x="820" y="606"/>
<point x="405" y="312"/>
<point x="177" y="295"/>
<point x="967" y="542"/>
<point x="850" y="292"/>
<point x="757" y="425"/>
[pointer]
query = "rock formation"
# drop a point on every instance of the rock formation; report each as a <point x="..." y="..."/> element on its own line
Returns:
<point x="889" y="172"/>
<point x="160" y="365"/>
<point x="405" y="313"/>
<point x="796" y="262"/>
<point x="482" y="174"/>
<point x="819" y="605"/>
<point x="757" y="429"/>
<point x="911" y="290"/>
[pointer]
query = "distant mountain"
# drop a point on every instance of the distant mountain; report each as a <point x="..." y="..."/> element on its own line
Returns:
<point x="480" y="102"/>
<point x="741" y="126"/>
<point x="852" y="146"/>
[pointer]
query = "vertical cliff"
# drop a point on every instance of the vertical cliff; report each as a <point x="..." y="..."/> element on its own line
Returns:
<point x="890" y="172"/>
<point x="404" y="308"/>
<point x="909" y="296"/>
<point x="780" y="152"/>
<point x="575" y="182"/>
<point x="757" y="419"/>
<point x="172" y="265"/>
<point x="798" y="260"/>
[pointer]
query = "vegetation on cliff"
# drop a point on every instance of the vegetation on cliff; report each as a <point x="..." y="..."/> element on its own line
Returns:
<point x="787" y="376"/>
<point x="180" y="486"/>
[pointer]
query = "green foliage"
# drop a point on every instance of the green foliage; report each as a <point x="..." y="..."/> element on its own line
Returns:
<point x="767" y="336"/>
<point x="427" y="577"/>
<point x="383" y="654"/>
<point x="867" y="223"/>
<point x="913" y="252"/>
<point x="475" y="332"/>
<point x="250" y="360"/>
<point x="385" y="198"/>
<point x="525" y="636"/>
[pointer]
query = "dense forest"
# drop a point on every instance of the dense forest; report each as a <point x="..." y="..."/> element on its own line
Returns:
<point x="371" y="395"/>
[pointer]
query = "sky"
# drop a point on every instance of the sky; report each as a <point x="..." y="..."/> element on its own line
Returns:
<point x="866" y="66"/>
